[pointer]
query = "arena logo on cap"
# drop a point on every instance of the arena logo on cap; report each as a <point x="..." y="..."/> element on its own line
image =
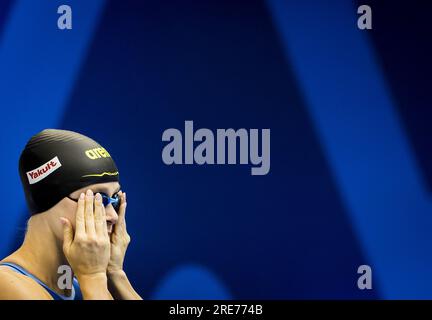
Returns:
<point x="97" y="153"/>
<point x="43" y="171"/>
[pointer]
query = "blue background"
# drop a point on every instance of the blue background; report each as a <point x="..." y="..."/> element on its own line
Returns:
<point x="349" y="113"/>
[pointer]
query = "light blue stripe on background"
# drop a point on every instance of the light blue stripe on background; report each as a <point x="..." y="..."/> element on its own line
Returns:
<point x="362" y="137"/>
<point x="38" y="67"/>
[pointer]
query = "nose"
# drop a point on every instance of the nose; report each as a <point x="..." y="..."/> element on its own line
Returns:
<point x="111" y="214"/>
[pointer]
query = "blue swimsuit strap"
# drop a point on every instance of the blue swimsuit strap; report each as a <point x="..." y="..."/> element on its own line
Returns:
<point x="76" y="294"/>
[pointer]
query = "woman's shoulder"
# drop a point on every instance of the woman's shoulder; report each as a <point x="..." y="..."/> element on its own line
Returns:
<point x="16" y="286"/>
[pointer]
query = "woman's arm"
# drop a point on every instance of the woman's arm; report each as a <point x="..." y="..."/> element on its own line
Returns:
<point x="94" y="287"/>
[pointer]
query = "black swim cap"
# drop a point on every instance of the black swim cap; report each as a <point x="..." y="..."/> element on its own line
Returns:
<point x="55" y="163"/>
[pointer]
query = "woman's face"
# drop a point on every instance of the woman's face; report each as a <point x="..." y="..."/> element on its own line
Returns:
<point x="67" y="207"/>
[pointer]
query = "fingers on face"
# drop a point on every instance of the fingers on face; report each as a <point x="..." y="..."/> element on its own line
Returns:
<point x="80" y="219"/>
<point x="120" y="225"/>
<point x="88" y="213"/>
<point x="122" y="210"/>
<point x="91" y="215"/>
<point x="100" y="216"/>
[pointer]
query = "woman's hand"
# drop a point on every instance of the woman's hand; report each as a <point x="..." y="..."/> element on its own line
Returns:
<point x="118" y="283"/>
<point x="120" y="239"/>
<point x="88" y="250"/>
